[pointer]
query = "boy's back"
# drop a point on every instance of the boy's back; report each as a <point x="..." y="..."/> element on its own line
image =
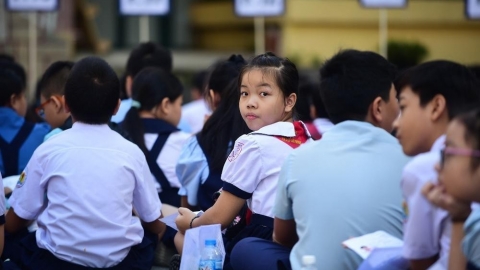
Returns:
<point x="84" y="185"/>
<point x="90" y="175"/>
<point x="354" y="186"/>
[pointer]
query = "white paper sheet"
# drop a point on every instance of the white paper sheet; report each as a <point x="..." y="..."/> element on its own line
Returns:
<point x="365" y="244"/>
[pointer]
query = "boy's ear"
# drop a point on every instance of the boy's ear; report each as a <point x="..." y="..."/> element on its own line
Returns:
<point x="376" y="110"/>
<point x="290" y="102"/>
<point x="58" y="102"/>
<point x="313" y="112"/>
<point x="438" y="106"/>
<point x="128" y="86"/>
<point x="66" y="108"/>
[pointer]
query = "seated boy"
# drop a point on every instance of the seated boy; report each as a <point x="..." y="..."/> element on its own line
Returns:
<point x="52" y="88"/>
<point x="18" y="138"/>
<point x="431" y="94"/>
<point x="83" y="185"/>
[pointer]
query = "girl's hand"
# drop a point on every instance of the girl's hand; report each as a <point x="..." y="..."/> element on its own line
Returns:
<point x="183" y="219"/>
<point x="459" y="210"/>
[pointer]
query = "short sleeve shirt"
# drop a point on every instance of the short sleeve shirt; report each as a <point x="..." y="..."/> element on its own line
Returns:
<point x="82" y="186"/>
<point x="252" y="168"/>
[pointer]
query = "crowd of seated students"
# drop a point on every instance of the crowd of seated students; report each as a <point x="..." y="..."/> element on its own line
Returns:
<point x="286" y="165"/>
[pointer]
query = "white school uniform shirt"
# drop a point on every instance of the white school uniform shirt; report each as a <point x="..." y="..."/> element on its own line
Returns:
<point x="168" y="157"/>
<point x="427" y="227"/>
<point x="81" y="187"/>
<point x="252" y="168"/>
<point x="193" y="113"/>
<point x="192" y="170"/>
<point x="322" y="125"/>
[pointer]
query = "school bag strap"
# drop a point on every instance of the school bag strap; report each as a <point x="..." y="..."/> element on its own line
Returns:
<point x="164" y="130"/>
<point x="11" y="151"/>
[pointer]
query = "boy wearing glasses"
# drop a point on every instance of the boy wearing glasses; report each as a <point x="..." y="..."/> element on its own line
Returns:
<point x="431" y="94"/>
<point x="18" y="138"/>
<point x="52" y="88"/>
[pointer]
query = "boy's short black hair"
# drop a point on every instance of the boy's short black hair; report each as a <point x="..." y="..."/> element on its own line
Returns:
<point x="199" y="81"/>
<point x="15" y="68"/>
<point x="453" y="81"/>
<point x="476" y="70"/>
<point x="6" y="57"/>
<point x="54" y="79"/>
<point x="351" y="80"/>
<point x="318" y="102"/>
<point x="148" y="54"/>
<point x="91" y="91"/>
<point x="10" y="84"/>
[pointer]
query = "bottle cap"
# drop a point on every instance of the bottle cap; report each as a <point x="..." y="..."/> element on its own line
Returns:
<point x="210" y="242"/>
<point x="308" y="260"/>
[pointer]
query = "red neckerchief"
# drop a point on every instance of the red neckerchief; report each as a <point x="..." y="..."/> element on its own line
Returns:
<point x="300" y="136"/>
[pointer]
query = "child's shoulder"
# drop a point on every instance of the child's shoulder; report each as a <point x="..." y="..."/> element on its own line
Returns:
<point x="422" y="162"/>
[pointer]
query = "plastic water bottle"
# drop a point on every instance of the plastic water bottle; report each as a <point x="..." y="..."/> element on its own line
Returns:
<point x="210" y="258"/>
<point x="308" y="262"/>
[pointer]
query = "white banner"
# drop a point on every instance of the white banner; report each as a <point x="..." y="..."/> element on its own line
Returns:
<point x="144" y="7"/>
<point x="31" y="5"/>
<point x="384" y="3"/>
<point x="472" y="9"/>
<point x="259" y="8"/>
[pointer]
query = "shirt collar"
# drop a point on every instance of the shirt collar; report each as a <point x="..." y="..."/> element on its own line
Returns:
<point x="285" y="129"/>
<point x="83" y="126"/>
<point x="439" y="144"/>
<point x="356" y="129"/>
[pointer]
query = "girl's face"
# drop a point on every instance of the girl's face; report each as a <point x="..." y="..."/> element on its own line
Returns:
<point x="456" y="174"/>
<point x="261" y="101"/>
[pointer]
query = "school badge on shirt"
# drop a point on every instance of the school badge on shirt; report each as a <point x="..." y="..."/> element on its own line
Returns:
<point x="405" y="210"/>
<point x="21" y="180"/>
<point x="235" y="152"/>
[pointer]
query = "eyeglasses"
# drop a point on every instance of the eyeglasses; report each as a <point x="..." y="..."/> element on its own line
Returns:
<point x="452" y="151"/>
<point x="40" y="110"/>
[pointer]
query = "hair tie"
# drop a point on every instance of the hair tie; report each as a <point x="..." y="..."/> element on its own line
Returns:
<point x="136" y="104"/>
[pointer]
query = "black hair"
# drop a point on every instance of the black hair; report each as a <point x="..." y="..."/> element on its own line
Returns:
<point x="15" y="68"/>
<point x="284" y="71"/>
<point x="222" y="73"/>
<point x="11" y="84"/>
<point x="223" y="128"/>
<point x="148" y="54"/>
<point x="471" y="121"/>
<point x="305" y="100"/>
<point x="475" y="69"/>
<point x="199" y="81"/>
<point x="123" y="87"/>
<point x="351" y="80"/>
<point x="149" y="88"/>
<point x="54" y="79"/>
<point x="318" y="102"/>
<point x="453" y="81"/>
<point x="6" y="57"/>
<point x="91" y="91"/>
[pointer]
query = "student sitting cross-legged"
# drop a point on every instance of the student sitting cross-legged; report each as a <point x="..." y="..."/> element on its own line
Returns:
<point x="84" y="186"/>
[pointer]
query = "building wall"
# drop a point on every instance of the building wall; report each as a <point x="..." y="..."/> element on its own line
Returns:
<point x="315" y="30"/>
